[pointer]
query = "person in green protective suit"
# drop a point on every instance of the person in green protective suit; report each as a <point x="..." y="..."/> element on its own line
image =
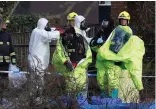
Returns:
<point x="119" y="63"/>
<point x="71" y="58"/>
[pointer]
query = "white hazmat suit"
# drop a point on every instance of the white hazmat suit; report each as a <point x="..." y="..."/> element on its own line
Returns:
<point x="39" y="55"/>
<point x="39" y="48"/>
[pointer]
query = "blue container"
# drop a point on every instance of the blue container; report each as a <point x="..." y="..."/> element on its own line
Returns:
<point x="97" y="100"/>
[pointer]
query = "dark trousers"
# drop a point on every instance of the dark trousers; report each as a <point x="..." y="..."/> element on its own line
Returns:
<point x="4" y="80"/>
<point x="4" y="68"/>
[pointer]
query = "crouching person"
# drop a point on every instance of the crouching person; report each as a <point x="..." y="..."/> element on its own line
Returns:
<point x="71" y="58"/>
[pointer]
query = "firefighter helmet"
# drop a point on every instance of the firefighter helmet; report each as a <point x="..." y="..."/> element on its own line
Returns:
<point x="124" y="15"/>
<point x="71" y="16"/>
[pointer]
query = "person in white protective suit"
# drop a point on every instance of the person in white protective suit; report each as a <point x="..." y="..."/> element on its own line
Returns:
<point x="39" y="49"/>
<point x="81" y="27"/>
<point x="39" y="52"/>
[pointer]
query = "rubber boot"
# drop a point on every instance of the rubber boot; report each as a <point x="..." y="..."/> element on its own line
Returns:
<point x="114" y="93"/>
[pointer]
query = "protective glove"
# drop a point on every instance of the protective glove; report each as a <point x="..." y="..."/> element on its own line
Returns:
<point x="69" y="65"/>
<point x="99" y="41"/>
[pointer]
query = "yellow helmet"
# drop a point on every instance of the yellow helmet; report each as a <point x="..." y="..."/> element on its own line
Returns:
<point x="124" y="15"/>
<point x="71" y="16"/>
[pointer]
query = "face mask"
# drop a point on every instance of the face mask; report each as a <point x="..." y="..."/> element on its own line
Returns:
<point x="83" y="25"/>
<point x="47" y="28"/>
<point x="105" y="23"/>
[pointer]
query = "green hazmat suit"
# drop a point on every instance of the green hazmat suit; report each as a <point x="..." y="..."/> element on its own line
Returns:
<point x="77" y="79"/>
<point x="111" y="76"/>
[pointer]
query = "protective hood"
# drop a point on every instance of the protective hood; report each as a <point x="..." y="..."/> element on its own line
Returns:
<point x="78" y="20"/>
<point x="42" y="22"/>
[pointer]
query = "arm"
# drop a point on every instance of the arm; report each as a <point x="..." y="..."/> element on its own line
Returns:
<point x="47" y="36"/>
<point x="98" y="39"/>
<point x="12" y="52"/>
<point x="59" y="57"/>
<point x="93" y="42"/>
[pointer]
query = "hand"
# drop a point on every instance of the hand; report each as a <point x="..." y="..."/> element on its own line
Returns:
<point x="99" y="41"/>
<point x="69" y="65"/>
